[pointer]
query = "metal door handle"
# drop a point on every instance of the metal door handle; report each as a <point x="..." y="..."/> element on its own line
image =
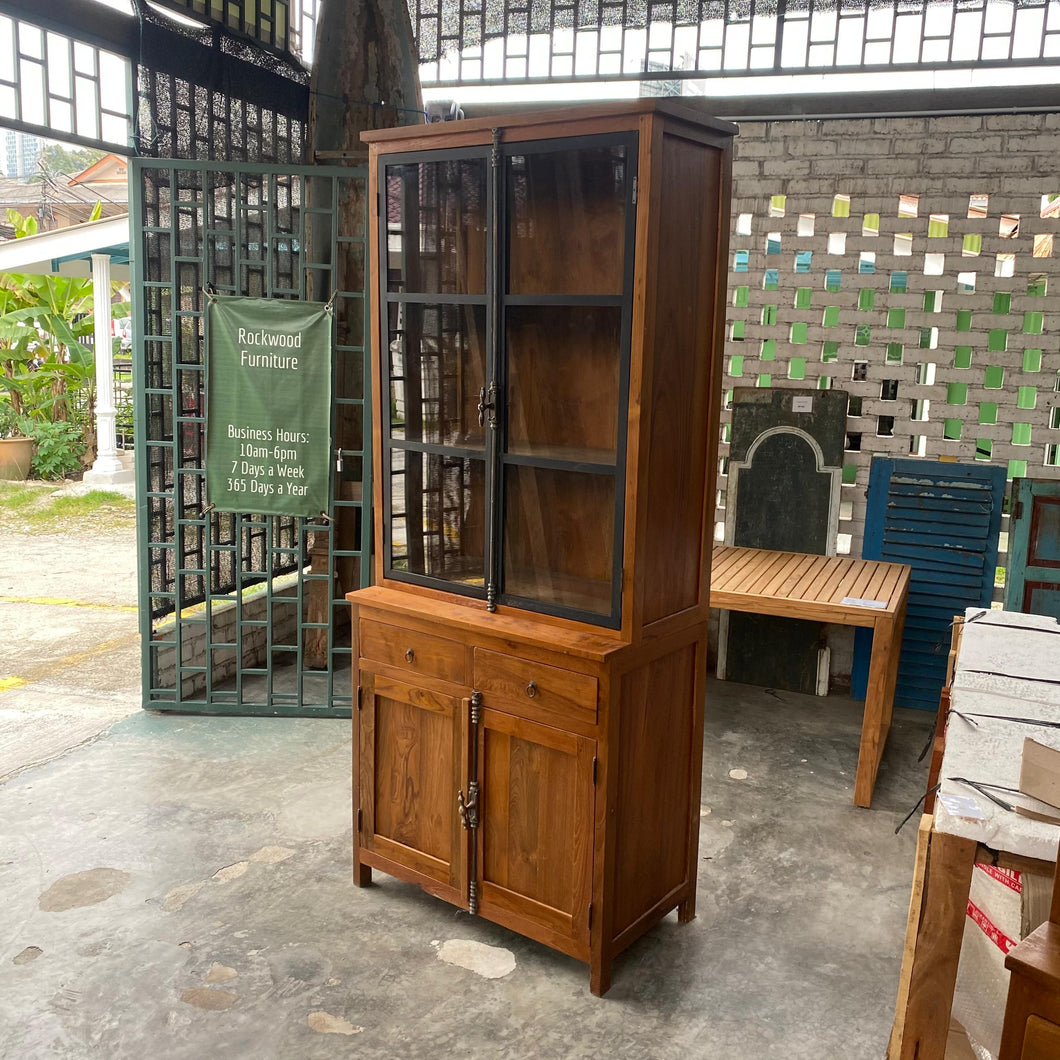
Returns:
<point x="410" y="655"/>
<point x="531" y="689"/>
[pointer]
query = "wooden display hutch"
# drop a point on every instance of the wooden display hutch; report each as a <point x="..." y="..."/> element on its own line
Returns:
<point x="547" y="318"/>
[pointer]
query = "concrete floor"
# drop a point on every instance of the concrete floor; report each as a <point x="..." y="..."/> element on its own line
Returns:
<point x="179" y="887"/>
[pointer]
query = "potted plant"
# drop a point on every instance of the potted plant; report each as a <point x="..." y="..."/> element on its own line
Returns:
<point x="16" y="449"/>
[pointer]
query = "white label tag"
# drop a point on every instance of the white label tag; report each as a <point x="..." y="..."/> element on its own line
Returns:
<point x="859" y="602"/>
<point x="802" y="404"/>
<point x="962" y="806"/>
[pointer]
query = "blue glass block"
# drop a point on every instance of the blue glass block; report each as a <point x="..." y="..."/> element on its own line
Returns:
<point x="866" y="265"/>
<point x="833" y="278"/>
<point x="740" y="259"/>
<point x="802" y="260"/>
<point x="899" y="281"/>
<point x="772" y="281"/>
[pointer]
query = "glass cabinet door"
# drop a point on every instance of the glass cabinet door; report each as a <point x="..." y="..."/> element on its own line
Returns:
<point x="506" y="329"/>
<point x="566" y="323"/>
<point x="436" y="362"/>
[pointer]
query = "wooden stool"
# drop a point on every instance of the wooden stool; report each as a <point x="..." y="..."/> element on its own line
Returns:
<point x="1032" y="1011"/>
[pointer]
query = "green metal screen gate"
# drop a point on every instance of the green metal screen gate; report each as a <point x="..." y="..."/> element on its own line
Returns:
<point x="244" y="614"/>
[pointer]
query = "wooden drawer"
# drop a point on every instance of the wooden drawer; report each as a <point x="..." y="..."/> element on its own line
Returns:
<point x="537" y="687"/>
<point x="418" y="653"/>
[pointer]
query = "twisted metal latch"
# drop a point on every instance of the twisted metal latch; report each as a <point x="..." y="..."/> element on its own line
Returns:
<point x="487" y="402"/>
<point x="468" y="808"/>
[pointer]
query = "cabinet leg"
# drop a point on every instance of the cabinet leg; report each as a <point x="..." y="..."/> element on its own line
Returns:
<point x="362" y="874"/>
<point x="599" y="976"/>
<point x="686" y="911"/>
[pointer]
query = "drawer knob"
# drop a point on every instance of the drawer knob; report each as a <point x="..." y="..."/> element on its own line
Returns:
<point x="410" y="655"/>
<point x="531" y="689"/>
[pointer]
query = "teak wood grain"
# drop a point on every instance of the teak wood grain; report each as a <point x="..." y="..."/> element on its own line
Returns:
<point x="582" y="744"/>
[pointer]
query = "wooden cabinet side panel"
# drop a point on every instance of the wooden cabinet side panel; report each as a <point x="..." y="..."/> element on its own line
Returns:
<point x="683" y="434"/>
<point x="658" y="759"/>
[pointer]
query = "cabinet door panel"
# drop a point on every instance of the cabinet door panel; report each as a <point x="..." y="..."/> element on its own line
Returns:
<point x="535" y="852"/>
<point x="411" y="748"/>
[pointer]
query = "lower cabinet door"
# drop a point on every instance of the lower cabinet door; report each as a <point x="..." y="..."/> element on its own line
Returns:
<point x="535" y="847"/>
<point x="413" y="751"/>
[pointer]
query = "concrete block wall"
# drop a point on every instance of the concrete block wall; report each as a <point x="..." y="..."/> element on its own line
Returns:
<point x="222" y="615"/>
<point x="910" y="262"/>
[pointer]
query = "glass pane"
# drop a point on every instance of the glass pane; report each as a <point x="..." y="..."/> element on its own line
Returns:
<point x="436" y="227"/>
<point x="437" y="365"/>
<point x="559" y="537"/>
<point x="567" y="215"/>
<point x="563" y="370"/>
<point x="1045" y="532"/>
<point x="438" y="516"/>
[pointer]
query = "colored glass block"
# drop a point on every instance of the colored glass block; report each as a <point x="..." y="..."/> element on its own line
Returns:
<point x="997" y="340"/>
<point x="830" y="351"/>
<point x="984" y="448"/>
<point x="831" y="316"/>
<point x="862" y="335"/>
<point x="1027" y="397"/>
<point x="739" y="260"/>
<point x="773" y="243"/>
<point x="1017" y="469"/>
<point x="772" y="280"/>
<point x="1036" y="286"/>
<point x="803" y="296"/>
<point x="899" y="282"/>
<point x="962" y="357"/>
<point x="769" y="314"/>
<point x="972" y="244"/>
<point x="740" y="297"/>
<point x="994" y="377"/>
<point x="866" y="263"/>
<point x="798" y="333"/>
<point x="957" y="394"/>
<point x="803" y="260"/>
<point x="988" y="412"/>
<point x="896" y="318"/>
<point x="850" y="474"/>
<point x="1032" y="360"/>
<point x="866" y="299"/>
<point x="738" y="329"/>
<point x="841" y="206"/>
<point x="1002" y="302"/>
<point x="964" y="320"/>
<point x="833" y="279"/>
<point x="797" y="368"/>
<point x="769" y="350"/>
<point x="1033" y="323"/>
<point x="929" y="301"/>
<point x="824" y="382"/>
<point x="736" y="365"/>
<point x="765" y="379"/>
<point x="1021" y="434"/>
<point x="952" y="429"/>
<point x="895" y="353"/>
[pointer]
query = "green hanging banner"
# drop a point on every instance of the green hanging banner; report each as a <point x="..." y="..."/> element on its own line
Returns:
<point x="268" y="405"/>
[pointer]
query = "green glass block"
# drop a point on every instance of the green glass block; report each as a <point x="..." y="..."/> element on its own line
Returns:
<point x="937" y="228"/>
<point x="997" y="340"/>
<point x="802" y="297"/>
<point x="994" y="377"/>
<point x="798" y="333"/>
<point x="769" y="314"/>
<point x="957" y="394"/>
<point x="797" y="368"/>
<point x="962" y="357"/>
<point x="833" y="279"/>
<point x="1032" y="360"/>
<point x="895" y="353"/>
<point x="899" y="282"/>
<point x="830" y="351"/>
<point x="1028" y="397"/>
<point x="988" y="412"/>
<point x="840" y="207"/>
<point x="896" y="318"/>
<point x="738" y="329"/>
<point x="1002" y="302"/>
<point x="929" y="301"/>
<point x="1033" y="323"/>
<point x="1021" y="434"/>
<point x="850" y="474"/>
<point x="972" y="244"/>
<point x="1036" y="286"/>
<point x="952" y="429"/>
<point x="862" y="335"/>
<point x="736" y="366"/>
<point x="964" y="320"/>
<point x="740" y="300"/>
<point x="831" y="316"/>
<point x="984" y="448"/>
<point x="1017" y="469"/>
<point x="765" y="379"/>
<point x="866" y="298"/>
<point x="824" y="382"/>
<point x="769" y="350"/>
<point x="925" y="338"/>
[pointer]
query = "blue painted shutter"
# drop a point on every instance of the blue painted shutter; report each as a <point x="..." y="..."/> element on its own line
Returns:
<point x="943" y="520"/>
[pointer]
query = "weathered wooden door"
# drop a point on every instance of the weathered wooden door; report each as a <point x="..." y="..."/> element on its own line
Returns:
<point x="1032" y="577"/>
<point x="412" y="754"/>
<point x="536" y="829"/>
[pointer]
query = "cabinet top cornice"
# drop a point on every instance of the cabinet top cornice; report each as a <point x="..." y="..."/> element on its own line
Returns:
<point x="568" y="113"/>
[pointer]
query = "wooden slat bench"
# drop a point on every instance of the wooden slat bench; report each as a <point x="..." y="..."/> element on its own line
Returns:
<point x="850" y="592"/>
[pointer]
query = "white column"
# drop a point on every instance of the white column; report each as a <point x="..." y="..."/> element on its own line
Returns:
<point x="108" y="468"/>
